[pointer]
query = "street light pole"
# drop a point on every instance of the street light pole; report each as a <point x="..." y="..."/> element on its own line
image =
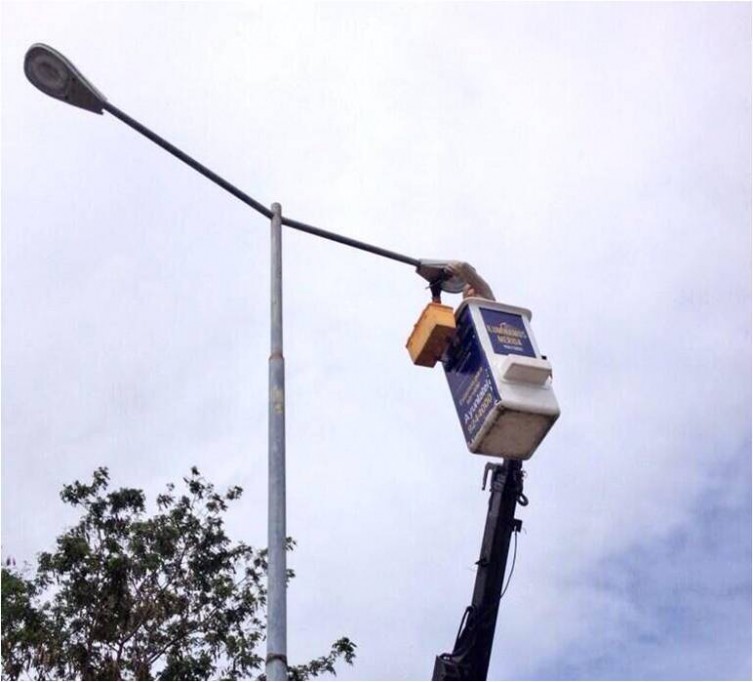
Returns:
<point x="277" y="662"/>
<point x="56" y="76"/>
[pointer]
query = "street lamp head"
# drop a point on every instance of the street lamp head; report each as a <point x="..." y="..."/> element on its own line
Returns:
<point x="55" y="76"/>
<point x="437" y="272"/>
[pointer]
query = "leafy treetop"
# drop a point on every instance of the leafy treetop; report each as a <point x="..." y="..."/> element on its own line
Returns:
<point x="125" y="595"/>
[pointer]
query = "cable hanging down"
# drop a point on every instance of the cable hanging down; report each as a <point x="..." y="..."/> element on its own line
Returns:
<point x="512" y="563"/>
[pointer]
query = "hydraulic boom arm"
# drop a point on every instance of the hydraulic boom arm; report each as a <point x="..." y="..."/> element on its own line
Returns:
<point x="469" y="659"/>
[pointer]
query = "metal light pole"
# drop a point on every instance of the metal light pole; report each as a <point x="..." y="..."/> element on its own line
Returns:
<point x="277" y="625"/>
<point x="56" y="76"/>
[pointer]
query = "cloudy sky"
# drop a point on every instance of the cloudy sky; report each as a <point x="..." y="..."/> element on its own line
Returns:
<point x="593" y="161"/>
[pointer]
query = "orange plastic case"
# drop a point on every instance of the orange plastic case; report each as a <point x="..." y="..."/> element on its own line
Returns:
<point x="431" y="334"/>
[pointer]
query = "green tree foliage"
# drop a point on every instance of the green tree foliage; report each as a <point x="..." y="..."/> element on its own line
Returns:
<point x="126" y="595"/>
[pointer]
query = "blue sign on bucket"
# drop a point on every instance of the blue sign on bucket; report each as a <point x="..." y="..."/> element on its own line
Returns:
<point x="469" y="376"/>
<point x="507" y="332"/>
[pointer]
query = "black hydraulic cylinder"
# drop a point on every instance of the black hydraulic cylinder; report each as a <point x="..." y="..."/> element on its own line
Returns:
<point x="469" y="659"/>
